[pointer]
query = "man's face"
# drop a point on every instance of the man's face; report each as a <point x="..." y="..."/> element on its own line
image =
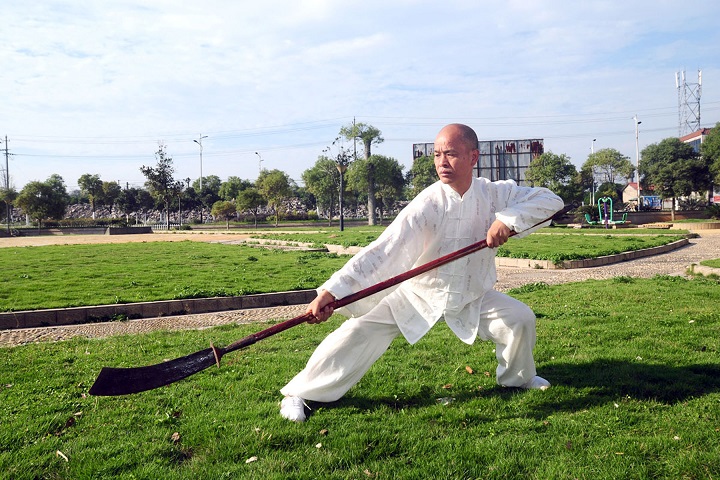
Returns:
<point x="454" y="159"/>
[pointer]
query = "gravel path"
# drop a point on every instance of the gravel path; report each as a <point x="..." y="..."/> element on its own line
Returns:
<point x="673" y="263"/>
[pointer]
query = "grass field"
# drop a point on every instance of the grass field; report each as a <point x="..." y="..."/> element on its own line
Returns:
<point x="78" y="275"/>
<point x="715" y="263"/>
<point x="75" y="275"/>
<point x="635" y="368"/>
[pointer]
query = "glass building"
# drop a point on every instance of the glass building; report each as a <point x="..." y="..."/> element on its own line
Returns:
<point x="499" y="159"/>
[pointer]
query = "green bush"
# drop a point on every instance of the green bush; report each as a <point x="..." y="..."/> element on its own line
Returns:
<point x="713" y="210"/>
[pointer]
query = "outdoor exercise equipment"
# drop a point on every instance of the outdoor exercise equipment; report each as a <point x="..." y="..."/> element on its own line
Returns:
<point x="605" y="213"/>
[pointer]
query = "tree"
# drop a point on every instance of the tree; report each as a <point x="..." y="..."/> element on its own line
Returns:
<point x="224" y="209"/>
<point x="92" y="186"/>
<point x="41" y="200"/>
<point x="673" y="169"/>
<point x="110" y="193"/>
<point x="160" y="182"/>
<point x="8" y="196"/>
<point x="250" y="200"/>
<point x="275" y="186"/>
<point x="210" y="192"/>
<point x="557" y="173"/>
<point x="127" y="202"/>
<point x="390" y="181"/>
<point x="609" y="165"/>
<point x="230" y="189"/>
<point x="422" y="174"/>
<point x="323" y="181"/>
<point x="710" y="149"/>
<point x="370" y="136"/>
<point x="382" y="173"/>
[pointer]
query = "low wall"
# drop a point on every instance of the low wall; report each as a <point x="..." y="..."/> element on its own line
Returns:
<point x="590" y="262"/>
<point x="34" y="232"/>
<point x="69" y="316"/>
<point x="127" y="230"/>
<point x="696" y="226"/>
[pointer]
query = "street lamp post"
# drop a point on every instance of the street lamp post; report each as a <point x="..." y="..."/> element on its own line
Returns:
<point x="260" y="162"/>
<point x="199" y="142"/>
<point x="342" y="167"/>
<point x="637" y="158"/>
<point x="592" y="193"/>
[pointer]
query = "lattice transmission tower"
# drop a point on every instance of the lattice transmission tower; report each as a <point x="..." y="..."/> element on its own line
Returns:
<point x="688" y="103"/>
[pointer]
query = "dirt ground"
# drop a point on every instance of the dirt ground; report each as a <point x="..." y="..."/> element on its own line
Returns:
<point x="39" y="241"/>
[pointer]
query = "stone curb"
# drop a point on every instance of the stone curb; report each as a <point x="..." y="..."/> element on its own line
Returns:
<point x="78" y="315"/>
<point x="590" y="262"/>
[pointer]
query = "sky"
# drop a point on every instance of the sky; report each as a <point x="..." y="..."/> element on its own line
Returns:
<point x="95" y="86"/>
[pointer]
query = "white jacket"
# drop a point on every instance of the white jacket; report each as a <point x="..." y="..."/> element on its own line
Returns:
<point x="437" y="222"/>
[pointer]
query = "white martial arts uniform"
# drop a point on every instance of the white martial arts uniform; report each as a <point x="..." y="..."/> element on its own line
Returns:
<point x="437" y="222"/>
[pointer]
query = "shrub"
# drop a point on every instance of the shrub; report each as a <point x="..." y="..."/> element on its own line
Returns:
<point x="692" y="204"/>
<point x="713" y="210"/>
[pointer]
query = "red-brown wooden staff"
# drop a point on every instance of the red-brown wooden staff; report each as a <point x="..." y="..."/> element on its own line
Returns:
<point x="122" y="381"/>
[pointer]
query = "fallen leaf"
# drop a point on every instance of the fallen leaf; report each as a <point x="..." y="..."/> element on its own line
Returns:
<point x="568" y="445"/>
<point x="319" y="445"/>
<point x="58" y="453"/>
<point x="175" y="437"/>
<point x="324" y="431"/>
<point x="469" y="370"/>
<point x="447" y="386"/>
<point x="368" y="473"/>
<point x="487" y="374"/>
<point x="251" y="459"/>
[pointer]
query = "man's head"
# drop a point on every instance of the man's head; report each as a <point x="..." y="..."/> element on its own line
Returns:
<point x="456" y="154"/>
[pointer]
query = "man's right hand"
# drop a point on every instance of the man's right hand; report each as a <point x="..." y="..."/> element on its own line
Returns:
<point x="320" y="308"/>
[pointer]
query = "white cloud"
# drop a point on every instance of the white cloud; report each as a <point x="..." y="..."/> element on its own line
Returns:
<point x="109" y="79"/>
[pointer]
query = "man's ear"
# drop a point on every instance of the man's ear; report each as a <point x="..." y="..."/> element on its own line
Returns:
<point x="475" y="156"/>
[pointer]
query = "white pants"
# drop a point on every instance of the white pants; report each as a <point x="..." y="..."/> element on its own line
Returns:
<point x="341" y="360"/>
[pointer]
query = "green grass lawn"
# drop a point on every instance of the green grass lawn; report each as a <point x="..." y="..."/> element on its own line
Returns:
<point x="79" y="275"/>
<point x="75" y="275"/>
<point x="634" y="363"/>
<point x="715" y="263"/>
<point x="362" y="236"/>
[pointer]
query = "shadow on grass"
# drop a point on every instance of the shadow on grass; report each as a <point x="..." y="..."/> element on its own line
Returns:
<point x="590" y="384"/>
<point x="607" y="380"/>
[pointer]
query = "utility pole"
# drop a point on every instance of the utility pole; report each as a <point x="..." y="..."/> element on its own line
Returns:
<point x="199" y="142"/>
<point x="637" y="157"/>
<point x="7" y="184"/>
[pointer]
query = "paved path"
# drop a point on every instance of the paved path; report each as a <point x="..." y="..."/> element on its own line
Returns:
<point x="673" y="263"/>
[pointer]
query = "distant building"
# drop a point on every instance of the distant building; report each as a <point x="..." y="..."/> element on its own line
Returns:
<point x="499" y="159"/>
<point x="695" y="139"/>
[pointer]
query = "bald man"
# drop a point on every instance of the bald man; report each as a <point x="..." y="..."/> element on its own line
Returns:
<point x="458" y="210"/>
